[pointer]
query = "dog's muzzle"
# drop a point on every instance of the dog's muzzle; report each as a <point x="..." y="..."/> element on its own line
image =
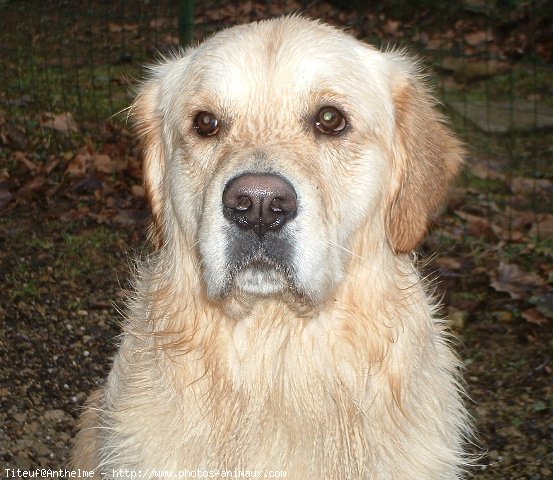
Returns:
<point x="260" y="250"/>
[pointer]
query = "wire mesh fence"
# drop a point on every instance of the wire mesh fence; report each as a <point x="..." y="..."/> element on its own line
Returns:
<point x="67" y="67"/>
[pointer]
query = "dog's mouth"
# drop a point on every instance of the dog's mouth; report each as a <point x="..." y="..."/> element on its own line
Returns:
<point x="260" y="273"/>
<point x="260" y="280"/>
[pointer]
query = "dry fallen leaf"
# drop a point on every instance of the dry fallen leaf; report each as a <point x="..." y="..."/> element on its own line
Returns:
<point x="476" y="38"/>
<point x="114" y="27"/>
<point x="134" y="167"/>
<point x="51" y="165"/>
<point x="22" y="157"/>
<point x="513" y="224"/>
<point x="118" y="28"/>
<point x="448" y="263"/>
<point x="78" y="166"/>
<point x="476" y="226"/>
<point x="542" y="227"/>
<point x="5" y="196"/>
<point x="544" y="304"/>
<point x="487" y="170"/>
<point x="103" y="163"/>
<point x="33" y="185"/>
<point x="525" y="186"/>
<point x="63" y="122"/>
<point x="106" y="164"/>
<point x="157" y="23"/>
<point x="518" y="284"/>
<point x="138" y="191"/>
<point x="391" y="26"/>
<point x="533" y="316"/>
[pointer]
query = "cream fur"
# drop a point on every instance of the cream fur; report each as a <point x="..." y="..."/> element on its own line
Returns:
<point x="343" y="371"/>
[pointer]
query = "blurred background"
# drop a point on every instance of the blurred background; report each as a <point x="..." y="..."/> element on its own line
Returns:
<point x="72" y="203"/>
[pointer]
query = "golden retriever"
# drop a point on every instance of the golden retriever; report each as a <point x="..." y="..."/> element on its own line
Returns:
<point x="280" y="328"/>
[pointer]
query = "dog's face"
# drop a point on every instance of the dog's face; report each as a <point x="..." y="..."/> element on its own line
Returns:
<point x="271" y="146"/>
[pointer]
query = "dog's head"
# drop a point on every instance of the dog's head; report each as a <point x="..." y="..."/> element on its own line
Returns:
<point x="271" y="146"/>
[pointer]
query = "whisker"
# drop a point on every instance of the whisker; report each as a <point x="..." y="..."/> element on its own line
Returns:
<point x="341" y="247"/>
<point x="126" y="109"/>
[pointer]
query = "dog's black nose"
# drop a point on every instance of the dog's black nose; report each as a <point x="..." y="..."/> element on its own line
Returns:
<point x="259" y="201"/>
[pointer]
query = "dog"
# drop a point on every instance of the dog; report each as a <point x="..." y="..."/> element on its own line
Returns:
<point x="279" y="326"/>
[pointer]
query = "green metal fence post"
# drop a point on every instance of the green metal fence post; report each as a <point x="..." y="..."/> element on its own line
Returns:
<point x="186" y="22"/>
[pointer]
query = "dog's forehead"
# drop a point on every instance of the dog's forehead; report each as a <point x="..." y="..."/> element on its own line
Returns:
<point x="293" y="55"/>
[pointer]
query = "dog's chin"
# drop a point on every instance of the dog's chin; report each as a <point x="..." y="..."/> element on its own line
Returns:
<point x="260" y="280"/>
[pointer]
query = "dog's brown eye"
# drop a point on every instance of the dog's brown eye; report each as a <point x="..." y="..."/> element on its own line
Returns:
<point x="206" y="124"/>
<point x="330" y="121"/>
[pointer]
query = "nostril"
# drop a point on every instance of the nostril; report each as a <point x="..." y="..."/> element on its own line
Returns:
<point x="244" y="203"/>
<point x="279" y="204"/>
<point x="260" y="202"/>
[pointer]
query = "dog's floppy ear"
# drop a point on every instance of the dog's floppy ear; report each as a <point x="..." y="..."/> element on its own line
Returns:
<point x="426" y="157"/>
<point x="149" y="127"/>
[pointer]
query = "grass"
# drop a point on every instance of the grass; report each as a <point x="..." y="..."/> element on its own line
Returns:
<point x="60" y="252"/>
<point x="492" y="186"/>
<point x="27" y="289"/>
<point x="82" y="254"/>
<point x="528" y="255"/>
